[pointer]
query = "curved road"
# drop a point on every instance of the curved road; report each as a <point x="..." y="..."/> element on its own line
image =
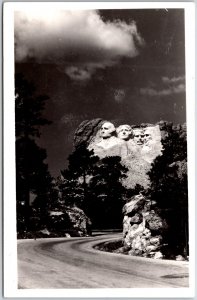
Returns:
<point x="73" y="263"/>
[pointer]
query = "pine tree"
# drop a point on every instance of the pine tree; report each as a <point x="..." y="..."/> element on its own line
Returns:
<point x="32" y="174"/>
<point x="94" y="185"/>
<point x="74" y="181"/>
<point x="107" y="193"/>
<point x="169" y="188"/>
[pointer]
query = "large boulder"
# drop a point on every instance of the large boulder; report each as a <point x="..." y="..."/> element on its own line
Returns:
<point x="60" y="222"/>
<point x="142" y="228"/>
<point x="136" y="204"/>
<point x="154" y="222"/>
<point x="69" y="220"/>
<point x="79" y="220"/>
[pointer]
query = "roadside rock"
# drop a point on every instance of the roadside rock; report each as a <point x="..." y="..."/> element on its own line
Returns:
<point x="68" y="221"/>
<point x="135" y="205"/>
<point x="79" y="220"/>
<point x="154" y="222"/>
<point x="142" y="228"/>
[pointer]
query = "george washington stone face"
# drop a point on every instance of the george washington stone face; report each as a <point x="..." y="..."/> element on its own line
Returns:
<point x="107" y="130"/>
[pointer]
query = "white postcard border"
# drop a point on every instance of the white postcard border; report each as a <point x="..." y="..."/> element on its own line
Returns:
<point x="10" y="249"/>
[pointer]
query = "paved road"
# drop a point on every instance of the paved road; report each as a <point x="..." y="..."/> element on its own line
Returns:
<point x="73" y="263"/>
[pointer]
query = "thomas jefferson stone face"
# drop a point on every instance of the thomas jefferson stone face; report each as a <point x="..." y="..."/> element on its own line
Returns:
<point x="138" y="136"/>
<point x="106" y="130"/>
<point x="124" y="132"/>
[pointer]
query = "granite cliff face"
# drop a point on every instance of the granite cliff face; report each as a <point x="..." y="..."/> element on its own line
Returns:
<point x="86" y="131"/>
<point x="136" y="145"/>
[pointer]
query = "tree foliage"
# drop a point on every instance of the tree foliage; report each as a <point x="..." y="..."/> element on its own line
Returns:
<point x="74" y="181"/>
<point x="32" y="175"/>
<point x="169" y="188"/>
<point x="107" y="193"/>
<point x="95" y="186"/>
<point x="29" y="108"/>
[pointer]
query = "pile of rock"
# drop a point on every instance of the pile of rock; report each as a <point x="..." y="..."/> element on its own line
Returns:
<point x="69" y="221"/>
<point x="142" y="228"/>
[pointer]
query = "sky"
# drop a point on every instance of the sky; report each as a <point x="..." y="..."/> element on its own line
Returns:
<point x="126" y="66"/>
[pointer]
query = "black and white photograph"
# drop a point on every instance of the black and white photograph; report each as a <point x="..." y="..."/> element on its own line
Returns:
<point x="98" y="110"/>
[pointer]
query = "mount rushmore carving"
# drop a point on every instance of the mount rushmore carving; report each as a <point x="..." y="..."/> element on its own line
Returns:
<point x="137" y="146"/>
<point x="124" y="141"/>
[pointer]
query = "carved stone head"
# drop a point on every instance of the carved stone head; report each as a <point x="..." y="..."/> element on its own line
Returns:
<point x="138" y="136"/>
<point x="147" y="135"/>
<point x="107" y="130"/>
<point x="124" y="132"/>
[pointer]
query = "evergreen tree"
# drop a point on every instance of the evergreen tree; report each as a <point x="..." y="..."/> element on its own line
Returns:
<point x="28" y="109"/>
<point x="74" y="181"/>
<point x="107" y="193"/>
<point x="32" y="174"/>
<point x="94" y="185"/>
<point x="169" y="188"/>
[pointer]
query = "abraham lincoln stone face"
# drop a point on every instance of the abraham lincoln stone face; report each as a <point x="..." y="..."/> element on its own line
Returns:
<point x="124" y="132"/>
<point x="147" y="136"/>
<point x="107" y="130"/>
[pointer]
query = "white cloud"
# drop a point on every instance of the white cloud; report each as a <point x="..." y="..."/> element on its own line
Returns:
<point x="173" y="85"/>
<point x="78" y="73"/>
<point x="179" y="88"/>
<point x="79" y="39"/>
<point x="164" y="92"/>
<point x="173" y="79"/>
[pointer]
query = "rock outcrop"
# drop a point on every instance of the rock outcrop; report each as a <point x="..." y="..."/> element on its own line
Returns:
<point x="71" y="220"/>
<point x="142" y="228"/>
<point x="60" y="222"/>
<point x="79" y="220"/>
<point x="136" y="145"/>
<point x="86" y="131"/>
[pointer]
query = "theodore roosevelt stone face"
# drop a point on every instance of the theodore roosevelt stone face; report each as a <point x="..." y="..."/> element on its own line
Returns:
<point x="138" y="136"/>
